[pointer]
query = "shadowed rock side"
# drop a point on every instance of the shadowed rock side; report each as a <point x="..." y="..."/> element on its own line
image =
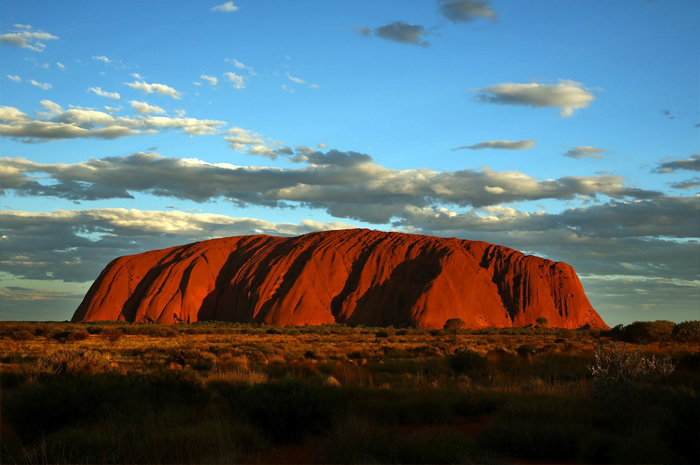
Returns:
<point x="348" y="276"/>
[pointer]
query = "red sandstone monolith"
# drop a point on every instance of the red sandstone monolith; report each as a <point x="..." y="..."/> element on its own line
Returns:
<point x="353" y="276"/>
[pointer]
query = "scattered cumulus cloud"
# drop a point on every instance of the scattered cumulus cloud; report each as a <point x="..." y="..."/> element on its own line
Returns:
<point x="467" y="11"/>
<point x="103" y="59"/>
<point x="585" y="151"/>
<point x="500" y="144"/>
<point x="568" y="96"/>
<point x="341" y="183"/>
<point x="688" y="164"/>
<point x="24" y="37"/>
<point x="210" y="79"/>
<point x="398" y="31"/>
<point x="41" y="85"/>
<point x="14" y="77"/>
<point x="693" y="183"/>
<point x="240" y="65"/>
<point x="227" y="7"/>
<point x="116" y="231"/>
<point x="161" y="89"/>
<point x="296" y="79"/>
<point x="60" y="65"/>
<point x="235" y="80"/>
<point x="143" y="107"/>
<point x="102" y="93"/>
<point x="75" y="123"/>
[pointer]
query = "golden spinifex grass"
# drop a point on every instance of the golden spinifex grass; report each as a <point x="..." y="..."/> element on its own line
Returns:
<point x="226" y="393"/>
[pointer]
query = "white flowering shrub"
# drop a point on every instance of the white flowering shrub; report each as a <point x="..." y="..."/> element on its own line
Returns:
<point x="615" y="367"/>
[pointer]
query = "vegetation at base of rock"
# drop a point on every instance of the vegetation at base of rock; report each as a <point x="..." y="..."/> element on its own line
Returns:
<point x="227" y="393"/>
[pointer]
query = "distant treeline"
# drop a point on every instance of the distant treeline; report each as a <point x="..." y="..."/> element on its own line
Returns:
<point x="645" y="332"/>
<point x="639" y="332"/>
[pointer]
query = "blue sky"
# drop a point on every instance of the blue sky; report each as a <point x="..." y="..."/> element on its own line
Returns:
<point x="565" y="129"/>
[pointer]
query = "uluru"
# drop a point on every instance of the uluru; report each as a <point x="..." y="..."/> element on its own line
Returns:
<point x="353" y="276"/>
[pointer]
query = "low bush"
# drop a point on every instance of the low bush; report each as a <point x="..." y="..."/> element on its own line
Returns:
<point x="468" y="362"/>
<point x="616" y="368"/>
<point x="285" y="409"/>
<point x="112" y="335"/>
<point x="78" y="362"/>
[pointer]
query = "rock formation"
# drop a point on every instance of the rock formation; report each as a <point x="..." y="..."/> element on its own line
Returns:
<point x="347" y="276"/>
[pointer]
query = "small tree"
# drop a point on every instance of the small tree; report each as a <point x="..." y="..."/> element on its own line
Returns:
<point x="112" y="334"/>
<point x="542" y="321"/>
<point x="453" y="325"/>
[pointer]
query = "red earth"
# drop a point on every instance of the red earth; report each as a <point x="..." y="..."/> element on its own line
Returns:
<point x="354" y="276"/>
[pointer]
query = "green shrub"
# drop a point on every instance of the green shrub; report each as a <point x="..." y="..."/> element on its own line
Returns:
<point x="75" y="362"/>
<point x="286" y="409"/>
<point x="454" y="324"/>
<point x="644" y="332"/>
<point x="195" y="358"/>
<point x="21" y="335"/>
<point x="468" y="362"/>
<point x="525" y="350"/>
<point x="112" y="335"/>
<point x="615" y="368"/>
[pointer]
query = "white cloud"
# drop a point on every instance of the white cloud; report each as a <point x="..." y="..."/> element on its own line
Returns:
<point x="41" y="85"/>
<point x="26" y="38"/>
<point x="240" y="65"/>
<point x="235" y="63"/>
<point x="240" y="139"/>
<point x="235" y="79"/>
<point x="585" y="151"/>
<point x="103" y="59"/>
<point x="143" y="107"/>
<point x="227" y="7"/>
<point x="115" y="231"/>
<point x="53" y="108"/>
<point x="161" y="89"/>
<point x="500" y="144"/>
<point x="101" y="93"/>
<point x="566" y="95"/>
<point x="210" y="79"/>
<point x="296" y="79"/>
<point x="88" y="123"/>
<point x="14" y="77"/>
<point x="343" y="184"/>
<point x="60" y="65"/>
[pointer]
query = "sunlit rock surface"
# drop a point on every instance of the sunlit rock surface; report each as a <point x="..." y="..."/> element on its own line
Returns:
<point x="354" y="276"/>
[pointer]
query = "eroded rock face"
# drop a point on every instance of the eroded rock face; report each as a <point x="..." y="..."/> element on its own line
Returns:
<point x="355" y="276"/>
